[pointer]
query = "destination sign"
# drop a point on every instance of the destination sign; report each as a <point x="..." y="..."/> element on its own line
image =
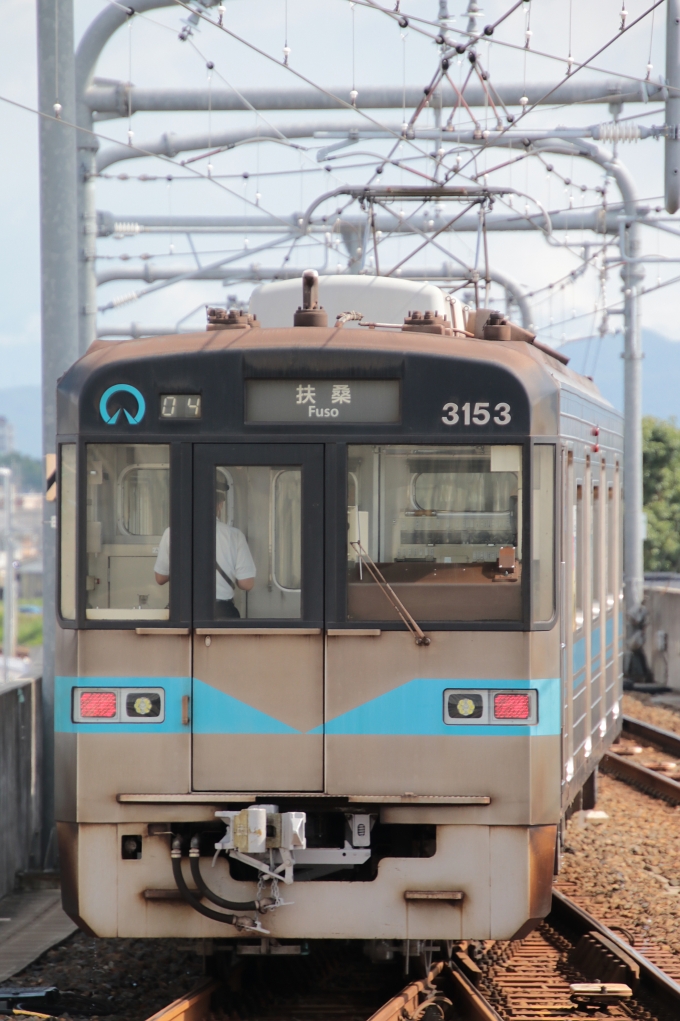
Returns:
<point x="327" y="401"/>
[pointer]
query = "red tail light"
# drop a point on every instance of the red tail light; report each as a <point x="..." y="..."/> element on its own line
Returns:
<point x="98" y="704"/>
<point x="511" y="707"/>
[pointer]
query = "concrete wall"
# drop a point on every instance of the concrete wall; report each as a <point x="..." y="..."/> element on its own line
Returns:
<point x="662" y="638"/>
<point x="20" y="771"/>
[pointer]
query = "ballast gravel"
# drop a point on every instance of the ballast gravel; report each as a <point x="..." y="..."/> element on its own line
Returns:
<point x="132" y="979"/>
<point x="641" y="707"/>
<point x="625" y="870"/>
<point x="119" y="979"/>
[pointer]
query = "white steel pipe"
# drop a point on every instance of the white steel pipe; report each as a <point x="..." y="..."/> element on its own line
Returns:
<point x="672" y="144"/>
<point x="119" y="99"/>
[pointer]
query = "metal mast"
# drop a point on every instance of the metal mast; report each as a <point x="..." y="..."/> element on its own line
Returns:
<point x="59" y="304"/>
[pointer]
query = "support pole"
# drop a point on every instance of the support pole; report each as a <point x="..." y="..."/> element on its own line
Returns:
<point x="92" y="43"/>
<point x="632" y="275"/>
<point x="59" y="305"/>
<point x="672" y="145"/>
<point x="9" y="608"/>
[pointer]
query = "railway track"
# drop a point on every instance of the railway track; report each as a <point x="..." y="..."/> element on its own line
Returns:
<point x="540" y="977"/>
<point x="656" y="781"/>
<point x="571" y="967"/>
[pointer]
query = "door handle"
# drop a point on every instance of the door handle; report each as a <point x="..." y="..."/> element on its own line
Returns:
<point x="216" y="631"/>
<point x="168" y="632"/>
<point x="185" y="710"/>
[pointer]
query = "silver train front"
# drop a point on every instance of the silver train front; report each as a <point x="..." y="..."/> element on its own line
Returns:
<point x="352" y="718"/>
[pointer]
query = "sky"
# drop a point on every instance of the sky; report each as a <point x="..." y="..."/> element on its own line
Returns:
<point x="336" y="45"/>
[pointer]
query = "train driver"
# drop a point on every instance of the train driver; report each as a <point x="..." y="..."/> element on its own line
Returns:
<point x="234" y="565"/>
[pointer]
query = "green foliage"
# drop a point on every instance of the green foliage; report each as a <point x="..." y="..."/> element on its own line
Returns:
<point x="661" y="493"/>
<point x="28" y="471"/>
<point x="30" y="624"/>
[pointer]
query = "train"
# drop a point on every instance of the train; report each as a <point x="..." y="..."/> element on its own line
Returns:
<point x="339" y="608"/>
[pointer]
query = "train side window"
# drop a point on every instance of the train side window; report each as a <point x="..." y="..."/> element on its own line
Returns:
<point x="619" y="546"/>
<point x="611" y="547"/>
<point x="578" y="557"/>
<point x="444" y="526"/>
<point x="67" y="538"/>
<point x="128" y="535"/>
<point x="543" y="533"/>
<point x="258" y="542"/>
<point x="596" y="547"/>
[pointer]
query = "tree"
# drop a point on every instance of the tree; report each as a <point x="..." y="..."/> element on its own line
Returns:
<point x="661" y="493"/>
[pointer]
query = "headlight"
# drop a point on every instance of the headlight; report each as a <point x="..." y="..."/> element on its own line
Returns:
<point x="118" y="705"/>
<point x="465" y="706"/>
<point x="490" y="706"/>
<point x="146" y="704"/>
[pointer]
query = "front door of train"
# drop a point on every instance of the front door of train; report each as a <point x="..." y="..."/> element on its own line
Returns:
<point x="257" y="701"/>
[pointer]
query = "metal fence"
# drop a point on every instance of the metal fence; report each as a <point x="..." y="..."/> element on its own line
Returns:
<point x="20" y="772"/>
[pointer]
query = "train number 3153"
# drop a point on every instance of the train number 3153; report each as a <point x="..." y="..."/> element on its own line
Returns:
<point x="478" y="414"/>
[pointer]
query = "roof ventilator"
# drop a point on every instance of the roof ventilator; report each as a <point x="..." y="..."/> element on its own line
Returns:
<point x="233" y="319"/>
<point x="427" y="322"/>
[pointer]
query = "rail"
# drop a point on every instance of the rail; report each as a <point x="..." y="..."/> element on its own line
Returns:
<point x="648" y="780"/>
<point x="665" y="739"/>
<point x="195" y="1006"/>
<point x="652" y="979"/>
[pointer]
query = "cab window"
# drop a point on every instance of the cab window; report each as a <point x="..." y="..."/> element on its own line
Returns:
<point x="444" y="527"/>
<point x="128" y="538"/>
<point x="258" y="542"/>
<point x="67" y="540"/>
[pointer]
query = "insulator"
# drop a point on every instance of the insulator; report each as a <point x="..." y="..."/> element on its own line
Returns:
<point x="612" y="132"/>
<point x="124" y="298"/>
<point x="126" y="228"/>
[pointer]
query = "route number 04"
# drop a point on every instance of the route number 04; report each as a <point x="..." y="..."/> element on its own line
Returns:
<point x="477" y="415"/>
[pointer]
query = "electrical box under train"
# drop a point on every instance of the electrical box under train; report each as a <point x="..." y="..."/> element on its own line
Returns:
<point x="340" y="627"/>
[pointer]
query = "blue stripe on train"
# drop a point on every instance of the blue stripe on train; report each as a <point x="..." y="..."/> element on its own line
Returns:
<point x="416" y="708"/>
<point x="413" y="708"/>
<point x="578" y="656"/>
<point x="215" y="712"/>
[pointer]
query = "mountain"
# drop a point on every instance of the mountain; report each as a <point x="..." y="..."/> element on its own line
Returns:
<point x="602" y="360"/>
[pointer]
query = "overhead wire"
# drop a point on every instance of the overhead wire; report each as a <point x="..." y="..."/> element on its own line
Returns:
<point x="505" y="44"/>
<point x="401" y="140"/>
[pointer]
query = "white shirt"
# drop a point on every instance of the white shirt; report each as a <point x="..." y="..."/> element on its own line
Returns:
<point x="231" y="552"/>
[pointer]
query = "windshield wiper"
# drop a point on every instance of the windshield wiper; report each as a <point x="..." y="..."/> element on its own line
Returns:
<point x="391" y="596"/>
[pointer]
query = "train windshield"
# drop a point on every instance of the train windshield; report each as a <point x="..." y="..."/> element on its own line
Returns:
<point x="128" y="517"/>
<point x="442" y="524"/>
<point x="258" y="541"/>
